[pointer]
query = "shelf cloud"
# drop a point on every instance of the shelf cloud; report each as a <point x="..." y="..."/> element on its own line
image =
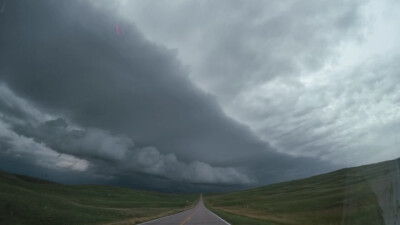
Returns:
<point x="249" y="95"/>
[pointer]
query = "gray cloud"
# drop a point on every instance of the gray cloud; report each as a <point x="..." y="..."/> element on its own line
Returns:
<point x="76" y="149"/>
<point x="234" y="46"/>
<point x="315" y="79"/>
<point x="120" y="152"/>
<point x="13" y="144"/>
<point x="343" y="117"/>
<point x="130" y="110"/>
<point x="82" y="70"/>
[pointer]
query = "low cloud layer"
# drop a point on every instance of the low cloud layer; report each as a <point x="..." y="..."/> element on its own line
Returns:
<point x="15" y="145"/>
<point x="54" y="144"/>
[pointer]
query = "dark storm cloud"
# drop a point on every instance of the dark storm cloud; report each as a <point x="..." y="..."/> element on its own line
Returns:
<point x="56" y="145"/>
<point x="131" y="106"/>
<point x="68" y="59"/>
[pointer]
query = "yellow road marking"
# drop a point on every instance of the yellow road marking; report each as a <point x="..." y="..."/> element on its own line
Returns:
<point x="188" y="218"/>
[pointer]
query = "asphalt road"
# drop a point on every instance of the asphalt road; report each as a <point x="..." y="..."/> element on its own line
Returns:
<point x="195" y="216"/>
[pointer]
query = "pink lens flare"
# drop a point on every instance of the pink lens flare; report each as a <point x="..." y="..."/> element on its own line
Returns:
<point x="117" y="31"/>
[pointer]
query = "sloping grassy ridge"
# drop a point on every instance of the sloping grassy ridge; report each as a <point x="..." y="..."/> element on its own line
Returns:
<point x="25" y="200"/>
<point x="354" y="196"/>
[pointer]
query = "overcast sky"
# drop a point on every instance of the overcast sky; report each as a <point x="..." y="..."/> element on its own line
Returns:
<point x="197" y="95"/>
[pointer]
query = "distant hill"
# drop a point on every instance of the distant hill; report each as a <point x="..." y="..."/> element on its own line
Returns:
<point x="4" y="175"/>
<point x="28" y="200"/>
<point x="366" y="195"/>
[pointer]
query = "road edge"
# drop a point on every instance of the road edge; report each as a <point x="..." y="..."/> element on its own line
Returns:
<point x="218" y="216"/>
<point x="170" y="215"/>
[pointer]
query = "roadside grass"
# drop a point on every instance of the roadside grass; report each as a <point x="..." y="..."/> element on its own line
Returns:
<point x="343" y="197"/>
<point x="238" y="219"/>
<point x="25" y="200"/>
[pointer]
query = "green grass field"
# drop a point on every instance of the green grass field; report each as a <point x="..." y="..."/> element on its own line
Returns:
<point x="352" y="196"/>
<point x="367" y="195"/>
<point x="25" y="200"/>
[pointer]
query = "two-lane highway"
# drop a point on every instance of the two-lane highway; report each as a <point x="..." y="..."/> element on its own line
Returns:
<point x="195" y="216"/>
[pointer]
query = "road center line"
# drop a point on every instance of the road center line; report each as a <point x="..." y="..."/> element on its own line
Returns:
<point x="188" y="218"/>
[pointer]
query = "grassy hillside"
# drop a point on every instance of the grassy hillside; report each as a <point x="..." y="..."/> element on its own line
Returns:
<point x="355" y="196"/>
<point x="25" y="200"/>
